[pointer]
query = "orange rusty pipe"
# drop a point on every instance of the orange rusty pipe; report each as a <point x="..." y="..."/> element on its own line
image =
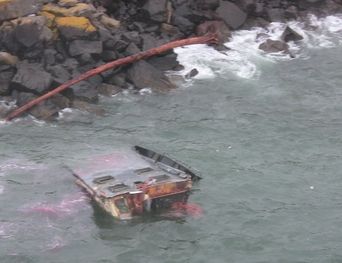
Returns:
<point x="206" y="39"/>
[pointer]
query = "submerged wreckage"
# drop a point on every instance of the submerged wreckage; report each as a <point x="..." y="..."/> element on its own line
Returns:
<point x="130" y="185"/>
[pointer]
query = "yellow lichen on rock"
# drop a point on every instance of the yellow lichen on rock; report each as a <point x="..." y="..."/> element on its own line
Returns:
<point x="79" y="9"/>
<point x="81" y="23"/>
<point x="50" y="18"/>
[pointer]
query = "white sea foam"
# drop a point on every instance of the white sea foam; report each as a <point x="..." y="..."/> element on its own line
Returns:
<point x="244" y="55"/>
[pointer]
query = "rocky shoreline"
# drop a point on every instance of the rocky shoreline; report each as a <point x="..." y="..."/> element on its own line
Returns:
<point x="44" y="43"/>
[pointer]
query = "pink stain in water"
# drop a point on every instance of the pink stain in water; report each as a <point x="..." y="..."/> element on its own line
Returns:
<point x="180" y="209"/>
<point x="67" y="206"/>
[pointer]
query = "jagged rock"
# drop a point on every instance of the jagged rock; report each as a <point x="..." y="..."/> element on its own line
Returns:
<point x="290" y="35"/>
<point x="32" y="30"/>
<point x="85" y="106"/>
<point x="132" y="49"/>
<point x="79" y="47"/>
<point x="67" y="3"/>
<point x="192" y="73"/>
<point x="10" y="9"/>
<point x="108" y="55"/>
<point x="169" y="29"/>
<point x="61" y="101"/>
<point x="6" y="74"/>
<point x="291" y="12"/>
<point x="109" y="22"/>
<point x="218" y="27"/>
<point x="85" y="91"/>
<point x="207" y="4"/>
<point x="164" y="63"/>
<point x="184" y="24"/>
<point x="59" y="74"/>
<point x="272" y="46"/>
<point x="144" y="75"/>
<point x="156" y="10"/>
<point x="275" y="14"/>
<point x="46" y="110"/>
<point x="249" y="6"/>
<point x="49" y="57"/>
<point x="119" y="80"/>
<point x="75" y="27"/>
<point x="231" y="14"/>
<point x="151" y="41"/>
<point x="108" y="89"/>
<point x="31" y="77"/>
<point x="132" y="36"/>
<point x="8" y="59"/>
<point x="80" y="9"/>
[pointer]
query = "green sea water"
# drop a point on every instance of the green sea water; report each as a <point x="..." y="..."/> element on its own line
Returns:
<point x="269" y="150"/>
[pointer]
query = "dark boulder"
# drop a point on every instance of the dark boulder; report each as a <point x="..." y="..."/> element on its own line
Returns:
<point x="290" y="35"/>
<point x="6" y="75"/>
<point x="144" y="75"/>
<point x="275" y="14"/>
<point x="150" y="41"/>
<point x="86" y="106"/>
<point x="61" y="101"/>
<point x="32" y="30"/>
<point x="273" y="46"/>
<point x="71" y="28"/>
<point x="249" y="6"/>
<point x="49" y="57"/>
<point x="156" y="10"/>
<point x="132" y="37"/>
<point x="46" y="110"/>
<point x="184" y="24"/>
<point x="119" y="79"/>
<point x="291" y="12"/>
<point x="108" y="55"/>
<point x="192" y="73"/>
<point x="31" y="77"/>
<point x="17" y="8"/>
<point x="164" y="63"/>
<point x="59" y="74"/>
<point x="79" y="47"/>
<point x="207" y="4"/>
<point x="231" y="14"/>
<point x="108" y="89"/>
<point x="85" y="91"/>
<point x="132" y="49"/>
<point x="218" y="27"/>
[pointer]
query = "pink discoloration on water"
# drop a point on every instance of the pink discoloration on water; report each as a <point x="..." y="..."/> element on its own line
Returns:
<point x="67" y="206"/>
<point x="180" y="209"/>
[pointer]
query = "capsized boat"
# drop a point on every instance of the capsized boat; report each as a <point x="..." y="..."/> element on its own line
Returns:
<point x="132" y="184"/>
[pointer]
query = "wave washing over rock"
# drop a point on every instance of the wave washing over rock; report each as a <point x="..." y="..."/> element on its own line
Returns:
<point x="244" y="53"/>
<point x="44" y="43"/>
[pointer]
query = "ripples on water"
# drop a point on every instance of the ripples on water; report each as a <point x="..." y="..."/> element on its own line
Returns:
<point x="264" y="130"/>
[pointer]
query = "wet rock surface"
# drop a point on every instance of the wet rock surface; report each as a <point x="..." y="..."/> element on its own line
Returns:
<point x="43" y="44"/>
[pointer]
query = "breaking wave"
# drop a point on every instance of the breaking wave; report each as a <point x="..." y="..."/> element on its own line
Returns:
<point x="244" y="56"/>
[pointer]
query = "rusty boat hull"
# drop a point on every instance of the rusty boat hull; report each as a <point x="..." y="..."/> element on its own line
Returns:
<point x="137" y="183"/>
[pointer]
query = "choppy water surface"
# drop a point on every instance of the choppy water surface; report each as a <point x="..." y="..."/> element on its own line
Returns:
<point x="268" y="146"/>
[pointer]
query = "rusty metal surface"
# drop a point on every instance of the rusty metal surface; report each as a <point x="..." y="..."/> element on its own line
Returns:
<point x="125" y="189"/>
